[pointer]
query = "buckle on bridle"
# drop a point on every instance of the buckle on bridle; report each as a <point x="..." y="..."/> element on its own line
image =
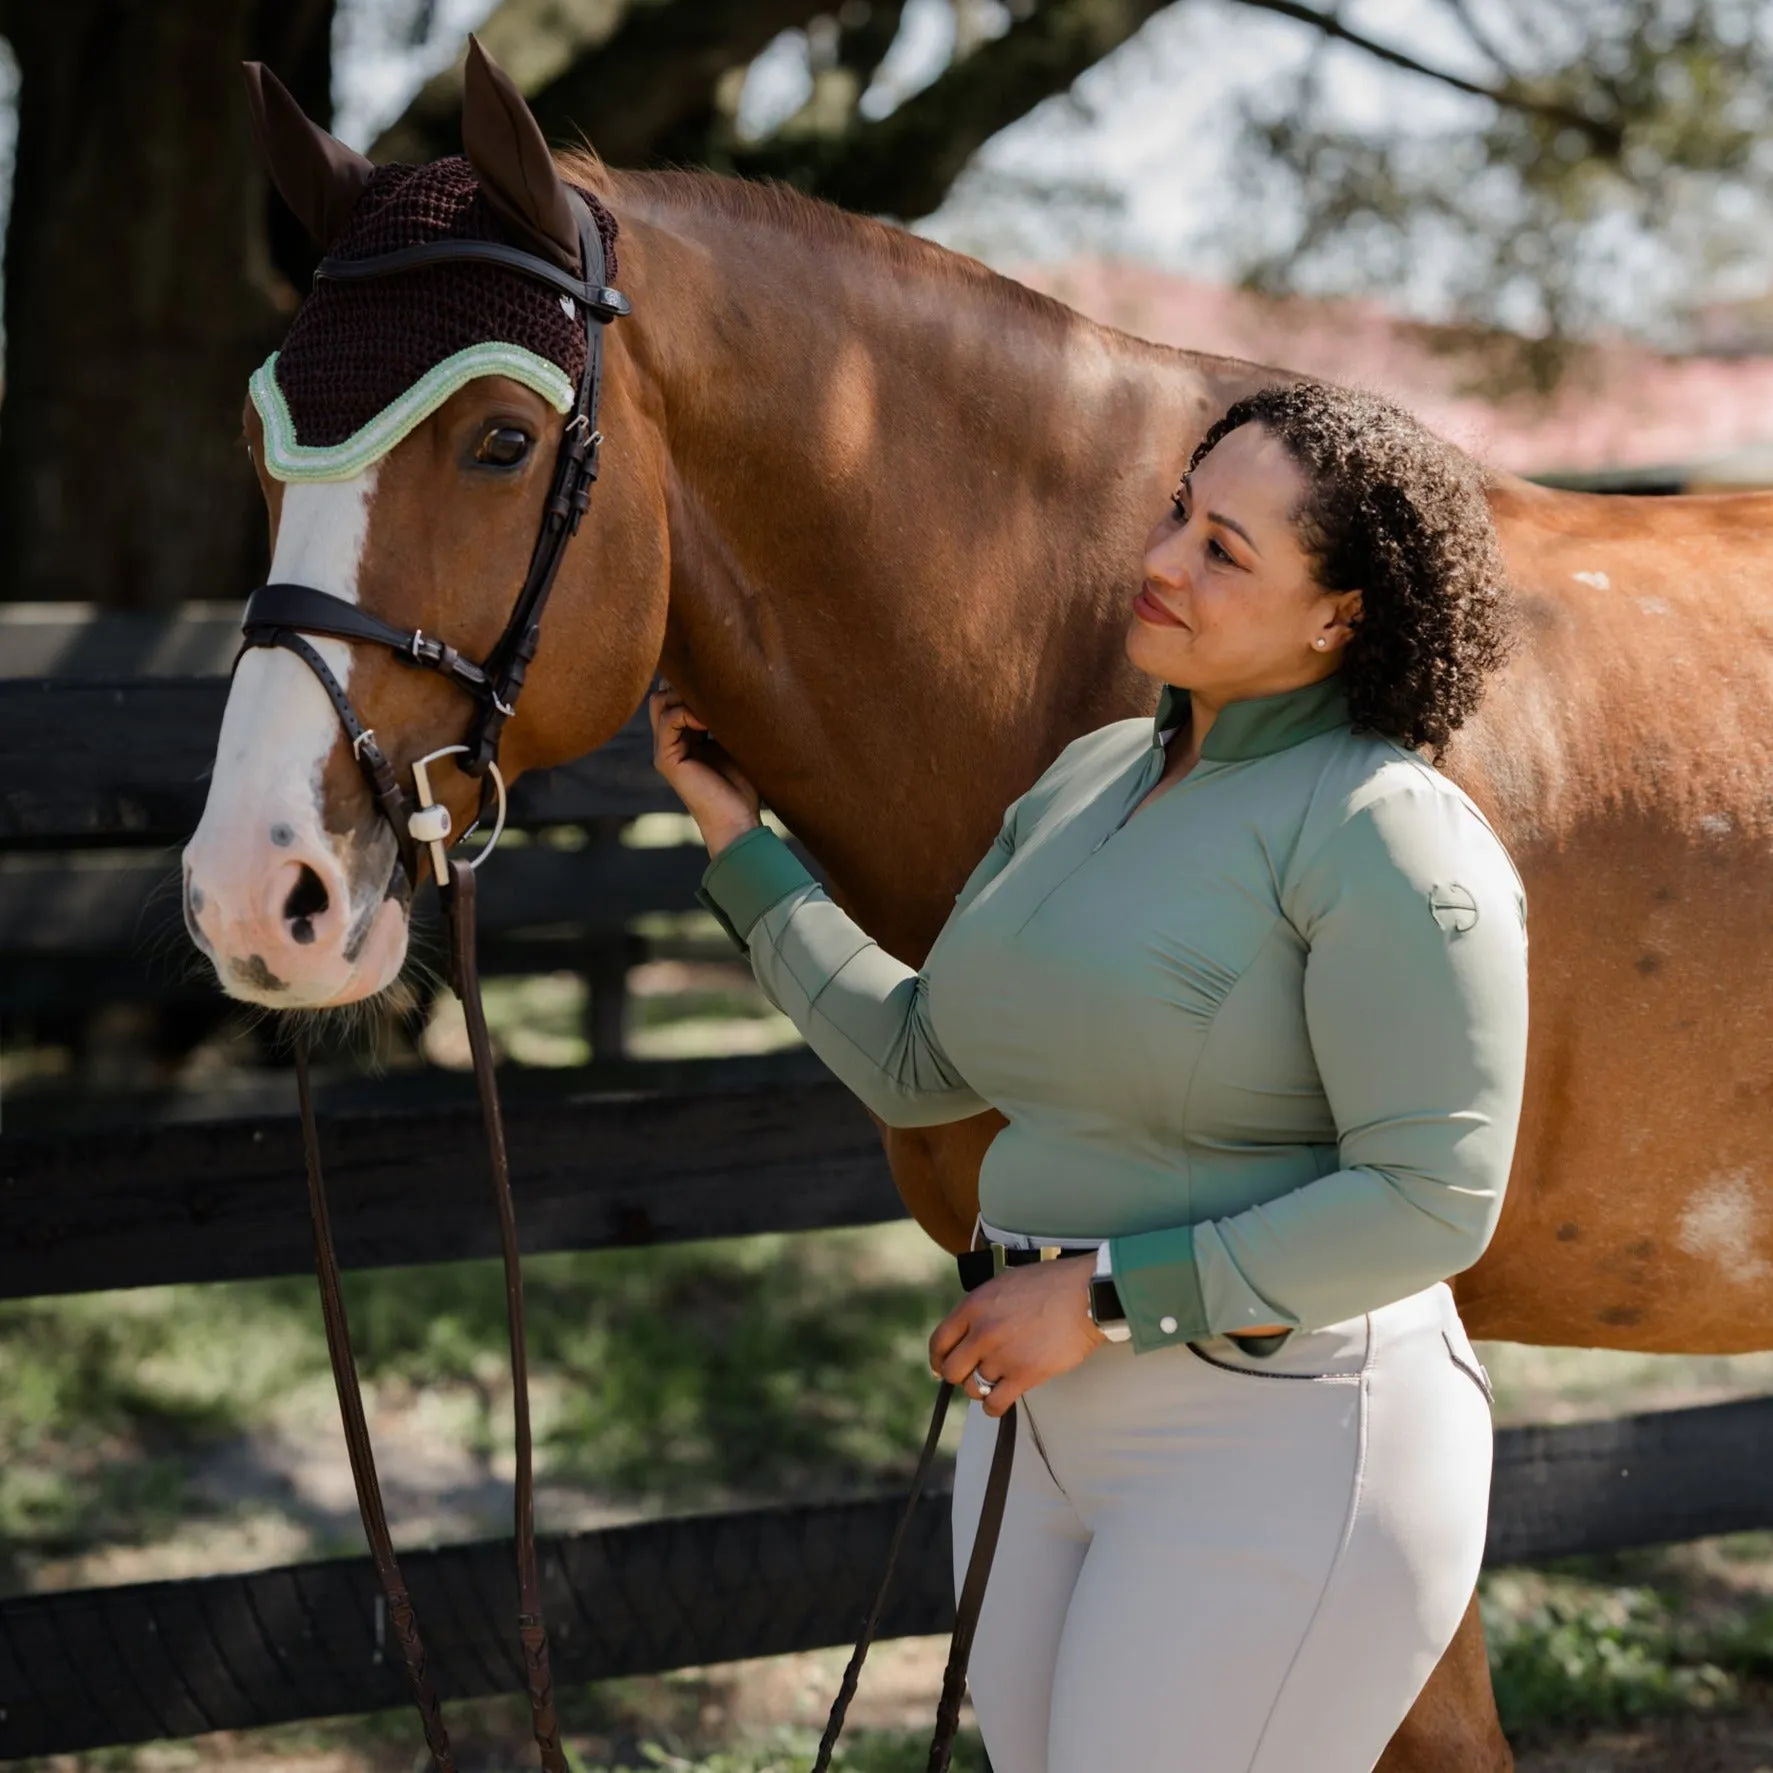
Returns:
<point x="426" y="831"/>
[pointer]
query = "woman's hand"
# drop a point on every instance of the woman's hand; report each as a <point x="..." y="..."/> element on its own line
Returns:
<point x="1026" y="1326"/>
<point x="711" y="786"/>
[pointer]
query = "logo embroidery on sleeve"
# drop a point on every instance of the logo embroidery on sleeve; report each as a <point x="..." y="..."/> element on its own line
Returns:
<point x="1454" y="908"/>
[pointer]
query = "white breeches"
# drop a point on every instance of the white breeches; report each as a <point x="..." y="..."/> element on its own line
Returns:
<point x="1214" y="1563"/>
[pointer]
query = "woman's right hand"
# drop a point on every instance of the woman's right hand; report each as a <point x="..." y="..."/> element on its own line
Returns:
<point x="711" y="786"/>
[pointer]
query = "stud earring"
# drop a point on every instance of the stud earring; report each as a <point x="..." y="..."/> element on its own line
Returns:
<point x="1320" y="643"/>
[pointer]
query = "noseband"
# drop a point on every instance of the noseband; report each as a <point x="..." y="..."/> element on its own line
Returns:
<point x="282" y="616"/>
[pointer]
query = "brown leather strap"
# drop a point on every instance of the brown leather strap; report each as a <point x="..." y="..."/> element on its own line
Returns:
<point x="363" y="1459"/>
<point x="972" y="1589"/>
<point x="972" y="1592"/>
<point x="465" y="976"/>
<point x="853" y="1671"/>
<point x="459" y="905"/>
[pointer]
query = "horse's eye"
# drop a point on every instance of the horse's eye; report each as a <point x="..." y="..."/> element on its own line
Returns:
<point x="503" y="448"/>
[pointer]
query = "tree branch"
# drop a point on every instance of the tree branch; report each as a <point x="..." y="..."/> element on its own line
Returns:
<point x="903" y="164"/>
<point x="649" y="93"/>
<point x="1479" y="34"/>
<point x="1607" y="137"/>
<point x="634" y="80"/>
<point x="532" y="40"/>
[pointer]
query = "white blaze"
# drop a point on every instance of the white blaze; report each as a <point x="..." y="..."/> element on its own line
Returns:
<point x="279" y="726"/>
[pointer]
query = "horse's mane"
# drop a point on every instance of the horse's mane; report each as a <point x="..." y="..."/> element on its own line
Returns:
<point x="780" y="209"/>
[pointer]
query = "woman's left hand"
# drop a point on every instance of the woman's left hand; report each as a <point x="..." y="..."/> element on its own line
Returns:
<point x="1023" y="1327"/>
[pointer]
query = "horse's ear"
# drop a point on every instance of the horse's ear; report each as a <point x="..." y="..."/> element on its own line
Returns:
<point x="510" y="157"/>
<point x="320" y="178"/>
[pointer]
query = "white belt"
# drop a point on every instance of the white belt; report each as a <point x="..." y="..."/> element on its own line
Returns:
<point x="1016" y="1240"/>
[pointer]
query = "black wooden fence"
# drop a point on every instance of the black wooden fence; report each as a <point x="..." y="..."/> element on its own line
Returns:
<point x="96" y="758"/>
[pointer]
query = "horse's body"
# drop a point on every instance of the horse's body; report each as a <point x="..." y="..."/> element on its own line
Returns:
<point x="907" y="589"/>
<point x="878" y="513"/>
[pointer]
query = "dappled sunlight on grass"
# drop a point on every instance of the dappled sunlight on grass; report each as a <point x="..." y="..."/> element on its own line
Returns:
<point x="673" y="1377"/>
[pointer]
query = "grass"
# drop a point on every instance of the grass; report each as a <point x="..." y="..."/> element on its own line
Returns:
<point x="664" y="1378"/>
<point x="1573" y="1653"/>
<point x="1595" y="1642"/>
<point x="103" y="1397"/>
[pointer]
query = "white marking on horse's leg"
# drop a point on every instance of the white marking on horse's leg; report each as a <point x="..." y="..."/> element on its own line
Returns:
<point x="1721" y="1225"/>
<point x="1598" y="580"/>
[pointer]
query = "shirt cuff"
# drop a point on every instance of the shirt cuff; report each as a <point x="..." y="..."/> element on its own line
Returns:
<point x="750" y="875"/>
<point x="1159" y="1287"/>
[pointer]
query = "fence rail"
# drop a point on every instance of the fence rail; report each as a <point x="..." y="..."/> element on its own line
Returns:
<point x="106" y="746"/>
<point x="94" y="1667"/>
<point x="223" y="1200"/>
<point x="128" y="762"/>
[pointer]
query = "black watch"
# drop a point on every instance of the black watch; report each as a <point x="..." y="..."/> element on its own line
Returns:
<point x="1106" y="1311"/>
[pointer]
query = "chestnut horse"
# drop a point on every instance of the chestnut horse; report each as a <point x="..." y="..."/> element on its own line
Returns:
<point x="879" y="513"/>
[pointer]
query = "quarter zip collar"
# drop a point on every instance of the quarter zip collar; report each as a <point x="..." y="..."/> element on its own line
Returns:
<point x="1262" y="725"/>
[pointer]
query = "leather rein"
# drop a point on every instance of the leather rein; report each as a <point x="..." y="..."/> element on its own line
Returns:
<point x="283" y="615"/>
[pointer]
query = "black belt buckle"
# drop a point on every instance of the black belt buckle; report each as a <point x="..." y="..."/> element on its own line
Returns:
<point x="976" y="1267"/>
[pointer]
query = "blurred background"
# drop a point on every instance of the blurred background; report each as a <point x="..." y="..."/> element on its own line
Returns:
<point x="1580" y="179"/>
<point x="1545" y="224"/>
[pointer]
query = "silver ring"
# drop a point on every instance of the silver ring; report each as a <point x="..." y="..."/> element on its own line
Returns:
<point x="986" y="1386"/>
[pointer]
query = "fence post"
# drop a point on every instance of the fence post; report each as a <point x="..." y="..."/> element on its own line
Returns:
<point x="606" y="969"/>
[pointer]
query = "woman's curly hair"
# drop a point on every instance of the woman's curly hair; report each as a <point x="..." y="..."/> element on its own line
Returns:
<point x="1393" y="512"/>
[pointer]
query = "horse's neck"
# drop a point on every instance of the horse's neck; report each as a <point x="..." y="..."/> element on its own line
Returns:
<point x="906" y="504"/>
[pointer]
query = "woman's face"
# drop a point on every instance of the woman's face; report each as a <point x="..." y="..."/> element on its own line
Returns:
<point x="1229" y="608"/>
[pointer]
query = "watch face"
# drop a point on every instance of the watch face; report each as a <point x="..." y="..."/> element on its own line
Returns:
<point x="1105" y="1305"/>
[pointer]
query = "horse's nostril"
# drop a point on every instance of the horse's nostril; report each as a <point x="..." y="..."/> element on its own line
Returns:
<point x="307" y="899"/>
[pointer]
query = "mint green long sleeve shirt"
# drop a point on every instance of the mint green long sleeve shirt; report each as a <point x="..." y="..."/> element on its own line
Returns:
<point x="1267" y="1038"/>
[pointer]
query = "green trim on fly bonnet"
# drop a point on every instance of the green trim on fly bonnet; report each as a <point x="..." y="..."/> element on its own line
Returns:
<point x="287" y="459"/>
<point x="368" y="359"/>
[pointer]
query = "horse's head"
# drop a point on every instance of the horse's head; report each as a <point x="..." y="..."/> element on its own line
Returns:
<point x="407" y="438"/>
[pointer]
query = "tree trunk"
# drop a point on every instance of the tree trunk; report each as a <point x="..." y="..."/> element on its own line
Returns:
<point x="142" y="288"/>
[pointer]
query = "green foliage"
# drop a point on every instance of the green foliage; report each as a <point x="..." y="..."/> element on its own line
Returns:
<point x="1614" y="134"/>
<point x="1570" y="1654"/>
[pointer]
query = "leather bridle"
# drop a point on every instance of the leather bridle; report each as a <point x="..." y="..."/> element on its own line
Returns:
<point x="283" y="616"/>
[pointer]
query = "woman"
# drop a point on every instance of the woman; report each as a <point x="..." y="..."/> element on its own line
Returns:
<point x="1250" y="987"/>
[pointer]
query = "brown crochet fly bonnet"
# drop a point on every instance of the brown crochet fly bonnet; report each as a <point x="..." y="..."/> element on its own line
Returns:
<point x="365" y="362"/>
